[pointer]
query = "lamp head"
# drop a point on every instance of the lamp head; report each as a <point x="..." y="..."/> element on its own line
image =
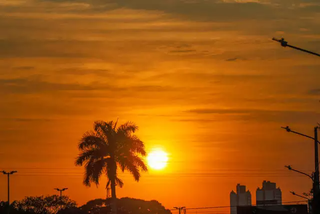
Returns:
<point x="288" y="129"/>
<point x="289" y="167"/>
<point x="283" y="43"/>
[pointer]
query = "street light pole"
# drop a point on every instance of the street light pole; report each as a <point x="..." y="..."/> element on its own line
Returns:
<point x="316" y="159"/>
<point x="285" y="44"/>
<point x="8" y="175"/>
<point x="316" y="154"/>
<point x="315" y="178"/>
<point x="179" y="208"/>
<point x="301" y="196"/>
<point x="61" y="190"/>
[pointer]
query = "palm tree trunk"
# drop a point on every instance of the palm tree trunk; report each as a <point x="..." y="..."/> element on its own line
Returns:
<point x="114" y="197"/>
<point x="113" y="189"/>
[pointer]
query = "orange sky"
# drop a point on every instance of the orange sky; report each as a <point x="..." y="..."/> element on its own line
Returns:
<point x="202" y="80"/>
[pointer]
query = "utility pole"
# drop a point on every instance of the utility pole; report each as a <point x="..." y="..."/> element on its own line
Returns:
<point x="180" y="208"/>
<point x="8" y="175"/>
<point x="285" y="44"/>
<point x="315" y="205"/>
<point x="305" y="197"/>
<point x="61" y="190"/>
<point x="316" y="159"/>
<point x="315" y="177"/>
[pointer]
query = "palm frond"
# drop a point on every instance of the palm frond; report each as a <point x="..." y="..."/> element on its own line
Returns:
<point x="106" y="129"/>
<point x="91" y="139"/>
<point x="130" y="144"/>
<point x="137" y="145"/>
<point x="128" y="128"/>
<point x="115" y="124"/>
<point x="93" y="153"/>
<point x="94" y="169"/>
<point x="119" y="182"/>
<point x="88" y="173"/>
<point x="139" y="163"/>
<point x="132" y="165"/>
<point x="133" y="169"/>
<point x="84" y="156"/>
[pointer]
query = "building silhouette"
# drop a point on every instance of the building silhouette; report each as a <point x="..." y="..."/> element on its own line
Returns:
<point x="268" y="195"/>
<point x="239" y="198"/>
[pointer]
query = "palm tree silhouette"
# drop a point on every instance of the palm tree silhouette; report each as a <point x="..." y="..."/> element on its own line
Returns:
<point x="108" y="147"/>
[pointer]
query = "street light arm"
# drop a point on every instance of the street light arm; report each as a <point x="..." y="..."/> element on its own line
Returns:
<point x="306" y="194"/>
<point x="290" y="168"/>
<point x="281" y="41"/>
<point x="287" y="128"/>
<point x="285" y="44"/>
<point x="293" y="193"/>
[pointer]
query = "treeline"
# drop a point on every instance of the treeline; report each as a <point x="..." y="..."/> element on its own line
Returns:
<point x="64" y="205"/>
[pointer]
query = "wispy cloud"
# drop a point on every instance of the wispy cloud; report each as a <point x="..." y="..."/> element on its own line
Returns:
<point x="314" y="91"/>
<point x="262" y="115"/>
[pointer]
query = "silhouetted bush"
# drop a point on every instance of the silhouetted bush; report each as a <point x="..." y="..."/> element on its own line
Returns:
<point x="64" y="205"/>
<point x="125" y="206"/>
<point x="44" y="204"/>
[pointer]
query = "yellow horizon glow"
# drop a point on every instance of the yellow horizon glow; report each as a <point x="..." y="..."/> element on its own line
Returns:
<point x="157" y="159"/>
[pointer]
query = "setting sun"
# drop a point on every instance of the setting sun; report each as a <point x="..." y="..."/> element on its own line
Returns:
<point x="157" y="159"/>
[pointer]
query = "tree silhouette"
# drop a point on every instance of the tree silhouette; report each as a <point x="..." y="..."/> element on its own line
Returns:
<point x="108" y="147"/>
<point x="44" y="204"/>
<point x="125" y="206"/>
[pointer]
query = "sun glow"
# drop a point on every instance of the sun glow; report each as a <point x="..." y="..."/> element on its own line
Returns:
<point x="157" y="159"/>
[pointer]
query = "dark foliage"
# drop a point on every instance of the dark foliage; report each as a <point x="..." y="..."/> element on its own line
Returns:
<point x="39" y="205"/>
<point x="36" y="205"/>
<point x="125" y="206"/>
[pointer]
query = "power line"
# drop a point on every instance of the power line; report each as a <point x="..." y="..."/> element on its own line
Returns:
<point x="226" y="206"/>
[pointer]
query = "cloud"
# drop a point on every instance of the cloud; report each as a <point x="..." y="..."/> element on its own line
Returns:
<point x="206" y="10"/>
<point x="314" y="91"/>
<point x="78" y="71"/>
<point x="36" y="85"/>
<point x="232" y="59"/>
<point x="213" y="10"/>
<point x="24" y="68"/>
<point x="183" y="51"/>
<point x="39" y="86"/>
<point x="261" y="115"/>
<point x="38" y="48"/>
<point x="27" y="120"/>
<point x="203" y="77"/>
